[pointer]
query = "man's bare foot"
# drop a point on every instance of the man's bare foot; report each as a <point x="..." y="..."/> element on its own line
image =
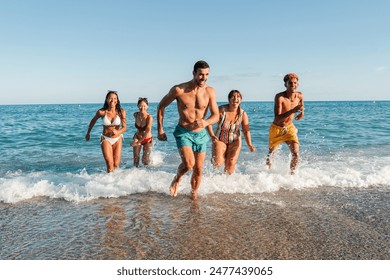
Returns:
<point x="174" y="187"/>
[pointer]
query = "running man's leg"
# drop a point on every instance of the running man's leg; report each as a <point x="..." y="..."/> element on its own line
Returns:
<point x="268" y="160"/>
<point x="197" y="174"/>
<point x="294" y="148"/>
<point x="187" y="163"/>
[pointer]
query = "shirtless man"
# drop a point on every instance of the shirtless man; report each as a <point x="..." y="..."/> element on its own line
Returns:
<point x="287" y="103"/>
<point x="193" y="100"/>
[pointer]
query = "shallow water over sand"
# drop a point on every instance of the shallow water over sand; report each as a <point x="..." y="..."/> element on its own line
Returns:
<point x="322" y="223"/>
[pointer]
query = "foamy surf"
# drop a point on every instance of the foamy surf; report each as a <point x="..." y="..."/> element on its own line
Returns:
<point x="251" y="177"/>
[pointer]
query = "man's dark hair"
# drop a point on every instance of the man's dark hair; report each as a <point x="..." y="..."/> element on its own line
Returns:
<point x="201" y="64"/>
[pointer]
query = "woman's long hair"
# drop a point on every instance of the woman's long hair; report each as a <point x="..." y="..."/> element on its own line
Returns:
<point x="233" y="91"/>
<point x="118" y="107"/>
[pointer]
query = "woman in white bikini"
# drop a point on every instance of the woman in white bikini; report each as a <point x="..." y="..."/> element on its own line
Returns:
<point x="114" y="125"/>
<point x="143" y="137"/>
<point x="227" y="143"/>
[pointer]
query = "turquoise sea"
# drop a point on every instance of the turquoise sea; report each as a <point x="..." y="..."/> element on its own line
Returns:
<point x="57" y="202"/>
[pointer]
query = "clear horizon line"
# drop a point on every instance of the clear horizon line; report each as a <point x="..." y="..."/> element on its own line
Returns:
<point x="246" y="101"/>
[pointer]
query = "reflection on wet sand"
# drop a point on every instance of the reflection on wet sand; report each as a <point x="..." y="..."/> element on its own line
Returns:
<point x="290" y="225"/>
<point x="330" y="223"/>
<point x="129" y="230"/>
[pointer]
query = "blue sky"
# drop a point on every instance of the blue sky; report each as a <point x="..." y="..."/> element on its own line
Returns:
<point x="74" y="51"/>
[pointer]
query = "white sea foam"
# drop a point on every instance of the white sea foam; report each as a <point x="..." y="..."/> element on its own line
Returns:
<point x="251" y="177"/>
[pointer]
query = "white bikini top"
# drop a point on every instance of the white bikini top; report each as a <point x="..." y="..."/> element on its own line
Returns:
<point x="115" y="122"/>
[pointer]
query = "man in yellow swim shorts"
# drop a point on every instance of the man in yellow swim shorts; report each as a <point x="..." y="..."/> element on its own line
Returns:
<point x="282" y="130"/>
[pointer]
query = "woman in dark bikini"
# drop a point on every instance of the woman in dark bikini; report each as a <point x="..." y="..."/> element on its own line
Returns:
<point x="143" y="137"/>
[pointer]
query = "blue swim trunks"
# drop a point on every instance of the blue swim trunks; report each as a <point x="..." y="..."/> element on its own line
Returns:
<point x="196" y="140"/>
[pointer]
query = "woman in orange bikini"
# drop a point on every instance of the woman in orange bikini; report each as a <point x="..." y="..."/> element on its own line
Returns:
<point x="143" y="137"/>
<point x="114" y="125"/>
<point x="227" y="143"/>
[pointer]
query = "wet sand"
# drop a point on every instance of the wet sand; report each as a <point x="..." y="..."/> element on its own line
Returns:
<point x="326" y="223"/>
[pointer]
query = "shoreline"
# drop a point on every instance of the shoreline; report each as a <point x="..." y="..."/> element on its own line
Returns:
<point x="315" y="224"/>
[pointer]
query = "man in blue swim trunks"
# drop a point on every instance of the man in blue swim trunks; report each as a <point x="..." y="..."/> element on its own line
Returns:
<point x="193" y="100"/>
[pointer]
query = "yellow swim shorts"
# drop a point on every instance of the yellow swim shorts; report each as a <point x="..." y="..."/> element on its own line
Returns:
<point x="278" y="135"/>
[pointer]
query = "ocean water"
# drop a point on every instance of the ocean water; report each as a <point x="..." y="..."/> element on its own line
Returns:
<point x="44" y="153"/>
<point x="55" y="192"/>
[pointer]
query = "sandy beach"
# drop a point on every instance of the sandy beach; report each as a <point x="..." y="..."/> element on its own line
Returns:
<point x="319" y="224"/>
